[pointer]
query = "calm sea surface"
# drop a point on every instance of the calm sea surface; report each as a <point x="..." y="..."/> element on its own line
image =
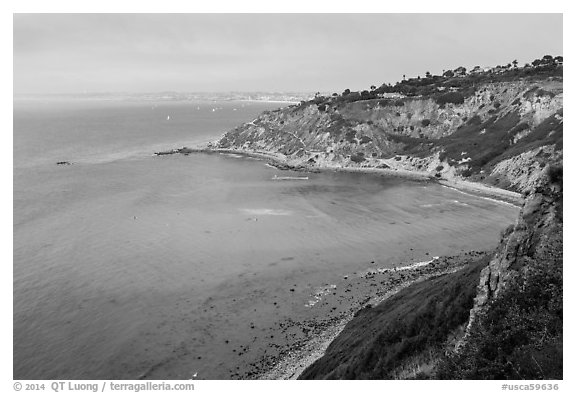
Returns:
<point x="129" y="265"/>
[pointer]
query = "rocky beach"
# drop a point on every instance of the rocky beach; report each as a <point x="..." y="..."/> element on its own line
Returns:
<point x="369" y="289"/>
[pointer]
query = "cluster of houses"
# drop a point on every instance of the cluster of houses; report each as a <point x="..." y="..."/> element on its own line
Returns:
<point x="500" y="69"/>
<point x="397" y="91"/>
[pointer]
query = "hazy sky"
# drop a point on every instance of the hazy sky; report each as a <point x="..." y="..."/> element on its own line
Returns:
<point x="70" y="53"/>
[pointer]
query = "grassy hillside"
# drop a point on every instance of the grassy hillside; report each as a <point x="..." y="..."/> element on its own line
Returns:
<point x="383" y="341"/>
<point x="520" y="335"/>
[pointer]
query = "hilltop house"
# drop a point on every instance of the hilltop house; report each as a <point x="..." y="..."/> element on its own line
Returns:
<point x="460" y="71"/>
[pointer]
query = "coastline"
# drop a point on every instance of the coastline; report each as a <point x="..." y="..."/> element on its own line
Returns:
<point x="272" y="101"/>
<point x="281" y="162"/>
<point x="302" y="355"/>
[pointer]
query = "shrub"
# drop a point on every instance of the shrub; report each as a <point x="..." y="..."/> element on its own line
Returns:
<point x="358" y="158"/>
<point x="351" y="136"/>
<point x="453" y="97"/>
<point x="556" y="174"/>
<point x="475" y="121"/>
<point x="425" y="122"/>
<point x="544" y="93"/>
<point x="365" y="139"/>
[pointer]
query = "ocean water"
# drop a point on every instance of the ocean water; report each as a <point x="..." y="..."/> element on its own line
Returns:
<point x="128" y="265"/>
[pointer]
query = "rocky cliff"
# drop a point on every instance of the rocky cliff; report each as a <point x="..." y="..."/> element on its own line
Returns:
<point x="499" y="317"/>
<point x="536" y="238"/>
<point x="501" y="133"/>
<point x="515" y="326"/>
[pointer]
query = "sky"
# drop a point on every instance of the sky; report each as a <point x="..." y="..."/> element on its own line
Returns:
<point x="95" y="53"/>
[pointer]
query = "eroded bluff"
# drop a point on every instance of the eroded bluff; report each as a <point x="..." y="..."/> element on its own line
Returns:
<point x="504" y="134"/>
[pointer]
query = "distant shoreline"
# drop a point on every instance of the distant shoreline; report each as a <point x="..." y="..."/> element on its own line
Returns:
<point x="131" y="98"/>
<point x="269" y="101"/>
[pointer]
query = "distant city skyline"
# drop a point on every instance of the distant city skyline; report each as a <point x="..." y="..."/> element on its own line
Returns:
<point x="144" y="53"/>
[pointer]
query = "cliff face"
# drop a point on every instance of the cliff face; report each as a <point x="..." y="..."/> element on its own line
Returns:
<point x="515" y="330"/>
<point x="534" y="241"/>
<point x="503" y="134"/>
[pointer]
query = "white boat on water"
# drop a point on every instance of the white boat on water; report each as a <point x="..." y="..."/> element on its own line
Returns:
<point x="290" y="177"/>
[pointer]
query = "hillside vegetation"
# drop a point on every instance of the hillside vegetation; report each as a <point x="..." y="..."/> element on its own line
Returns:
<point x="499" y="127"/>
<point x="383" y="342"/>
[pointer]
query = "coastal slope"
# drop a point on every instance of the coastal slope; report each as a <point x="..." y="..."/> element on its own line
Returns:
<point x="497" y="318"/>
<point x="500" y="130"/>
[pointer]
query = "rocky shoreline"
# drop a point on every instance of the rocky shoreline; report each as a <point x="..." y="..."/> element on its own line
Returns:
<point x="294" y="359"/>
<point x="282" y="163"/>
<point x="296" y="356"/>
